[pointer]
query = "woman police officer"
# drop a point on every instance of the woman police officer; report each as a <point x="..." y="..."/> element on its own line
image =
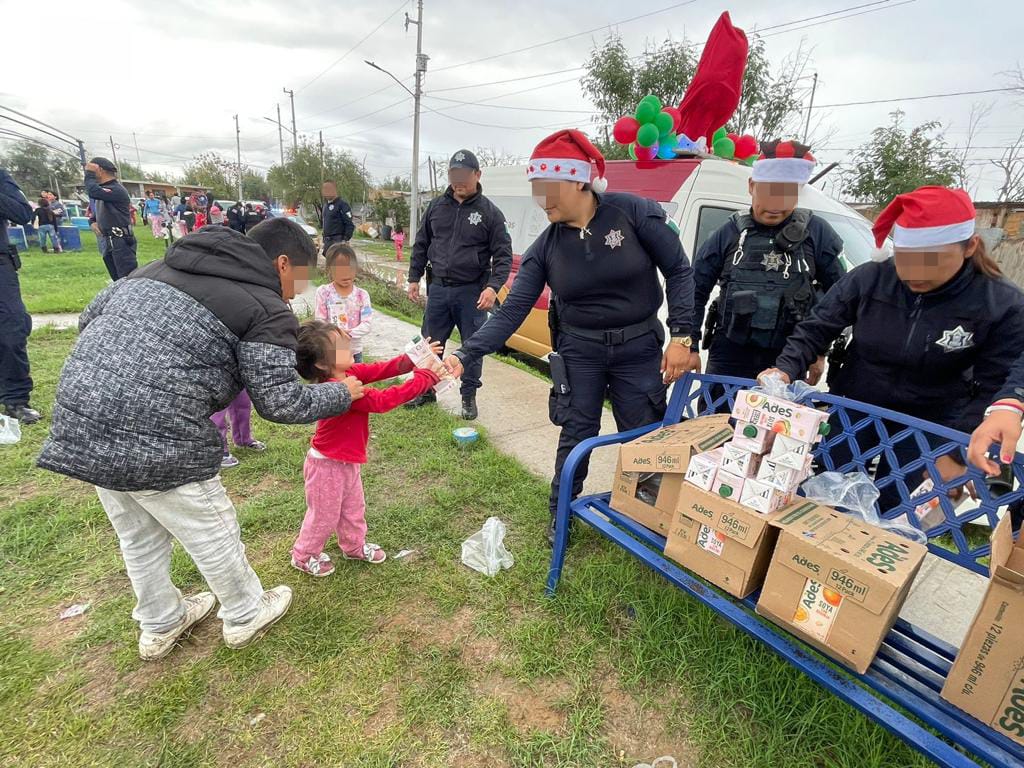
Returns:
<point x="935" y="328"/>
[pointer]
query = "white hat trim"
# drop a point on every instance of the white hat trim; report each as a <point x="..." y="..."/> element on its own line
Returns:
<point x="787" y="170"/>
<point x="544" y="168"/>
<point x="922" y="237"/>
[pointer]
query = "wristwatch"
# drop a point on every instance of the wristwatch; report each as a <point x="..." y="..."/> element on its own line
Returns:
<point x="686" y="341"/>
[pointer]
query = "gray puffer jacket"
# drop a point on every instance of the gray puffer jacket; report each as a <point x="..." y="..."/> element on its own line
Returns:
<point x="163" y="349"/>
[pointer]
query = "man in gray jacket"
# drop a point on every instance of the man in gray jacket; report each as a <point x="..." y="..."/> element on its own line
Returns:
<point x="158" y="353"/>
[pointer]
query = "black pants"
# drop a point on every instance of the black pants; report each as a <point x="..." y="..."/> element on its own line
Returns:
<point x="121" y="252"/>
<point x="15" y="326"/>
<point x="629" y="373"/>
<point x="449" y="307"/>
<point x="727" y="358"/>
<point x="108" y="259"/>
<point x="329" y="241"/>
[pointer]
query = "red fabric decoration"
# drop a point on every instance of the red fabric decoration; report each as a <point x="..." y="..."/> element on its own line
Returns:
<point x="714" y="93"/>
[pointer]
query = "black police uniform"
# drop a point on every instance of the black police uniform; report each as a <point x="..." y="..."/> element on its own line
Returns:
<point x="941" y="356"/>
<point x="338" y="224"/>
<point x="252" y="218"/>
<point x="468" y="248"/>
<point x="769" y="278"/>
<point x="113" y="210"/>
<point x="236" y="218"/>
<point x="15" y="321"/>
<point x="606" y="294"/>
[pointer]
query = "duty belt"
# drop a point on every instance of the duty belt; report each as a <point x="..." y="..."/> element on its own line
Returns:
<point x="119" y="231"/>
<point x="614" y="336"/>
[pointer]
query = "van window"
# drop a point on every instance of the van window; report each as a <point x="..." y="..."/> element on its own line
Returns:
<point x="858" y="242"/>
<point x="709" y="220"/>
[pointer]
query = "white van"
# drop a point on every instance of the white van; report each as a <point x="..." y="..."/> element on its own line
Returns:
<point x="697" y="193"/>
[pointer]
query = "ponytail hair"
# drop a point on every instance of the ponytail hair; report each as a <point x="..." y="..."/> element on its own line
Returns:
<point x="983" y="263"/>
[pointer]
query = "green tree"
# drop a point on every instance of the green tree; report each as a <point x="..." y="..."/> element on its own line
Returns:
<point x="896" y="160"/>
<point x="36" y="168"/>
<point x="211" y="170"/>
<point x="384" y="207"/>
<point x="298" y="181"/>
<point x="126" y="170"/>
<point x="397" y="182"/>
<point x="615" y="81"/>
<point x="254" y="186"/>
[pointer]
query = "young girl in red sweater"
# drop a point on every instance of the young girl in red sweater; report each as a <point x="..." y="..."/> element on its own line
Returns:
<point x="334" y="486"/>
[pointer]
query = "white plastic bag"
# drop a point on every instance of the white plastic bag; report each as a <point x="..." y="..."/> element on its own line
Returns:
<point x="855" y="493"/>
<point x="10" y="430"/>
<point x="775" y="386"/>
<point x="485" y="551"/>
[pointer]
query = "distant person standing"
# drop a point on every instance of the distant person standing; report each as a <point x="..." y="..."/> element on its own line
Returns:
<point x="398" y="238"/>
<point x="252" y="217"/>
<point x="188" y="218"/>
<point x="236" y="217"/>
<point x="338" y="224"/>
<point x="465" y="241"/>
<point x="15" y="321"/>
<point x="152" y="208"/>
<point x="113" y="208"/>
<point x="57" y="209"/>
<point x="43" y="218"/>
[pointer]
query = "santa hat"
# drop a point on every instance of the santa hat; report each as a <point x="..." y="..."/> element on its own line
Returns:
<point x="786" y="162"/>
<point x="925" y="218"/>
<point x="566" y="156"/>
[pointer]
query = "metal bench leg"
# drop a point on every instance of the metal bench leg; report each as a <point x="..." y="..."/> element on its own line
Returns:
<point x="563" y="515"/>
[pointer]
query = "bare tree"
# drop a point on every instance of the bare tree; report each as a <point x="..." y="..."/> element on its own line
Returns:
<point x="965" y="179"/>
<point x="1011" y="165"/>
<point x="491" y="157"/>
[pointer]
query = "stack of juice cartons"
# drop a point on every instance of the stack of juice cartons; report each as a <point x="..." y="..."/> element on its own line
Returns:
<point x="768" y="457"/>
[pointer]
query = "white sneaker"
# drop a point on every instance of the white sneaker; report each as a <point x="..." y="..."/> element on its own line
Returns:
<point x="153" y="645"/>
<point x="274" y="604"/>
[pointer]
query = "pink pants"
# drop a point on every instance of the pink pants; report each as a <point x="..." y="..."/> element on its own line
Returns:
<point x="334" y="504"/>
<point x="240" y="414"/>
<point x="156" y="222"/>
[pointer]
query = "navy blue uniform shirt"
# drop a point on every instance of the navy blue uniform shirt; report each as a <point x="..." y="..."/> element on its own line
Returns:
<point x="111" y="203"/>
<point x="338" y="220"/>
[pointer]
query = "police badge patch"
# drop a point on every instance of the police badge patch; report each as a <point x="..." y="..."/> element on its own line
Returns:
<point x="475" y="218"/>
<point x="956" y="339"/>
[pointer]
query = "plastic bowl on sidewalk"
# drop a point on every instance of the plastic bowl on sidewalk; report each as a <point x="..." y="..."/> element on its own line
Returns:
<point x="465" y="436"/>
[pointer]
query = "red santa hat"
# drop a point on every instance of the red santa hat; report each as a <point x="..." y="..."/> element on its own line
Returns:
<point x="925" y="218"/>
<point x="566" y="156"/>
<point x="785" y="162"/>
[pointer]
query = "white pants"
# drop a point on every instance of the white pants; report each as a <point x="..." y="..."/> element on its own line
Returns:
<point x="202" y="518"/>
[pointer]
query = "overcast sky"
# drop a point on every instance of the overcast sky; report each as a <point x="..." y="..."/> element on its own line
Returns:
<point x="174" y="73"/>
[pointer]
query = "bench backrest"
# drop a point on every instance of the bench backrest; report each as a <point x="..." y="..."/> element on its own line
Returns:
<point x="864" y="434"/>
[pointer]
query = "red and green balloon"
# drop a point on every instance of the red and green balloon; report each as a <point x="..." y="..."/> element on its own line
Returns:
<point x="650" y="131"/>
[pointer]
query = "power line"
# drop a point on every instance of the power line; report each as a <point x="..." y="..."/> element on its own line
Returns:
<point x="509" y="80"/>
<point x="568" y="37"/>
<point x="913" y="98"/>
<point x="345" y="55"/>
<point x="34" y="128"/>
<point x="502" y="106"/>
<point x="66" y="137"/>
<point x="5" y="135"/>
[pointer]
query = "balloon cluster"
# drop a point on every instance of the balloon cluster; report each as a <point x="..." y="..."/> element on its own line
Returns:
<point x="730" y="146"/>
<point x="650" y="132"/>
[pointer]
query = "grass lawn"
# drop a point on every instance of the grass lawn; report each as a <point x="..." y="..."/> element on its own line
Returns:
<point x="418" y="662"/>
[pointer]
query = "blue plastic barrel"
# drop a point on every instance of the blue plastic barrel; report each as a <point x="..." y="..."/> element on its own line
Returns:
<point x="70" y="239"/>
<point x="16" y="234"/>
<point x="80" y="222"/>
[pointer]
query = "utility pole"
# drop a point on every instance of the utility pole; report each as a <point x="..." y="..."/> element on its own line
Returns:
<point x="238" y="151"/>
<point x="421" y="69"/>
<point x="112" y="150"/>
<point x="137" y="155"/>
<point x="280" y="134"/>
<point x="807" y="127"/>
<point x="321" y="159"/>
<point x="295" y="133"/>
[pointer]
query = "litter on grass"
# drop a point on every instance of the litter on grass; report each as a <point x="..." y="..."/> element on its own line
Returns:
<point x="74" y="610"/>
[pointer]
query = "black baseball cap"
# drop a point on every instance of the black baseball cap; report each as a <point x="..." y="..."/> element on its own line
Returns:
<point x="105" y="164"/>
<point x="464" y="159"/>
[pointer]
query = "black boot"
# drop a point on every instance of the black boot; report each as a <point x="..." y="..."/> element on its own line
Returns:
<point x="469" y="411"/>
<point x="551" y="533"/>
<point x="425" y="399"/>
<point x="22" y="413"/>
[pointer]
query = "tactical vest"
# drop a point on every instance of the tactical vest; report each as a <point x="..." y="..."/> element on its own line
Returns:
<point x="767" y="282"/>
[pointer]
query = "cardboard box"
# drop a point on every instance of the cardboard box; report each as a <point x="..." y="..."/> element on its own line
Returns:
<point x="752" y="437"/>
<point x="762" y="497"/>
<point x="669" y="449"/>
<point x="632" y="494"/>
<point x="739" y="461"/>
<point x="703" y="468"/>
<point x="987" y="677"/>
<point x="837" y="582"/>
<point x="784" y="478"/>
<point x="727" y="485"/>
<point x="727" y="544"/>
<point x="781" y="416"/>
<point x="790" y="452"/>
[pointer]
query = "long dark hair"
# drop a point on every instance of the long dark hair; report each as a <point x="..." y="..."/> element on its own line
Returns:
<point x="983" y="262"/>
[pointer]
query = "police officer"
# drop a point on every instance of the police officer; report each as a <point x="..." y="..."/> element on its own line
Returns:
<point x="338" y="224"/>
<point x="601" y="256"/>
<point x="935" y="328"/>
<point x="113" y="210"/>
<point x="770" y="263"/>
<point x="464" y="241"/>
<point x="236" y="217"/>
<point x="251" y="217"/>
<point x="15" y="321"/>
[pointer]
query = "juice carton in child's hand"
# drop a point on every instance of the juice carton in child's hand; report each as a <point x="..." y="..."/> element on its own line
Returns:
<point x="418" y="350"/>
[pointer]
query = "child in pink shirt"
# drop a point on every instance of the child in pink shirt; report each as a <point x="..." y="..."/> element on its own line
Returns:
<point x="398" y="236"/>
<point x="341" y="302"/>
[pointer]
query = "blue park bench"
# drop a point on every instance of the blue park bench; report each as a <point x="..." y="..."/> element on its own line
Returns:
<point x="912" y="665"/>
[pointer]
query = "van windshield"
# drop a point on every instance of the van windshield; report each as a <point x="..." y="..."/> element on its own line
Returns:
<point x="858" y="242"/>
